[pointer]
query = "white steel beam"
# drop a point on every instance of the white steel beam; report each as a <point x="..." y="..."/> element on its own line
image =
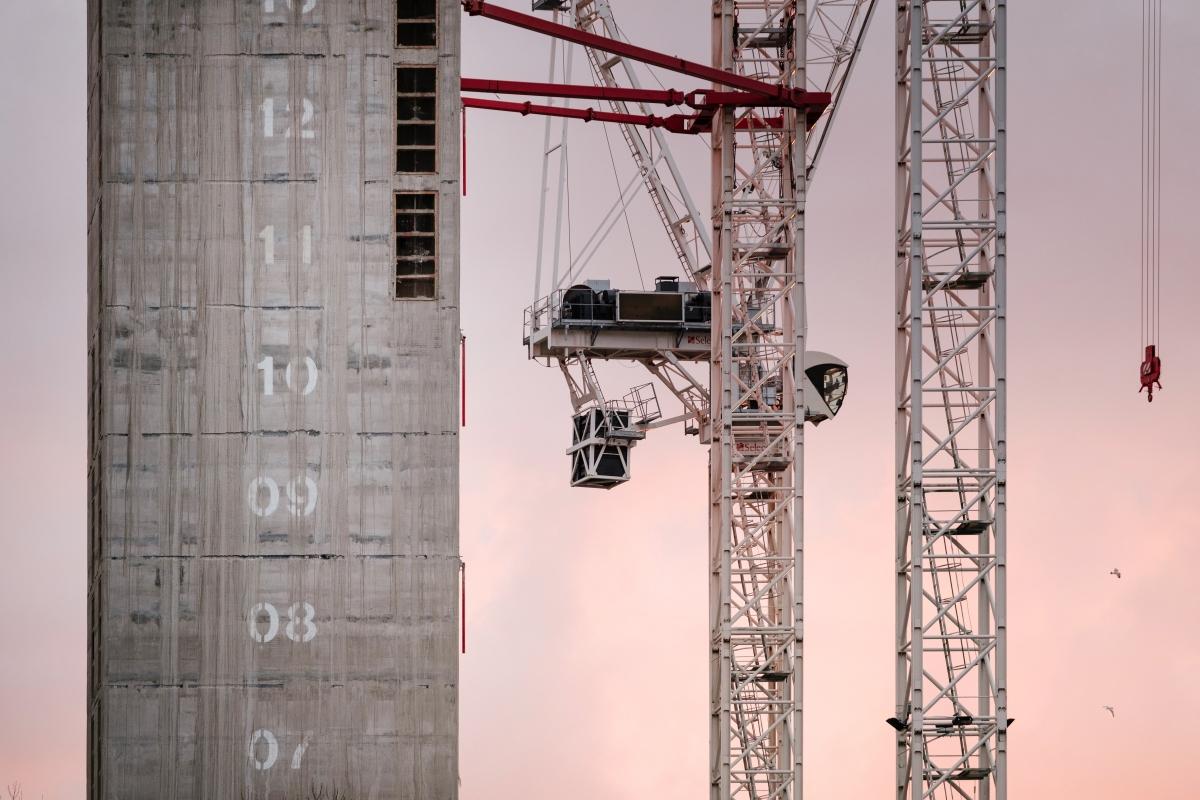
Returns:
<point x="755" y="462"/>
<point x="951" y="631"/>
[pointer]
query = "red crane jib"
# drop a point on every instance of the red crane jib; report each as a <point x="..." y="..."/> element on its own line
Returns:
<point x="1151" y="372"/>
<point x="752" y="93"/>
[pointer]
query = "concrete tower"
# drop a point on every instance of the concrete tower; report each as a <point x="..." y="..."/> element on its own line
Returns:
<point x="274" y="360"/>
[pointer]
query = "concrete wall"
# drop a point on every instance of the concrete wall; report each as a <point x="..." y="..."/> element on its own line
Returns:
<point x="273" y="551"/>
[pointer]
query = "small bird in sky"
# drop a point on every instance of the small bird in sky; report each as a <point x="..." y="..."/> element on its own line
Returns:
<point x="1111" y="710"/>
<point x="1116" y="572"/>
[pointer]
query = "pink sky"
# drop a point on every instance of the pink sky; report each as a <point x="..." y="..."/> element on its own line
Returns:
<point x="587" y="672"/>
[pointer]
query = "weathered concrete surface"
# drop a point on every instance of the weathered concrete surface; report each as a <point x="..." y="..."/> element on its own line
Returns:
<point x="273" y="549"/>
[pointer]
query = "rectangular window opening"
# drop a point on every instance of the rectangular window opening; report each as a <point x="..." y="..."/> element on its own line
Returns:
<point x="416" y="119"/>
<point x="416" y="23"/>
<point x="416" y="246"/>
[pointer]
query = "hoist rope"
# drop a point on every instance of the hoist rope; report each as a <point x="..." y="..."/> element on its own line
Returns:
<point x="1151" y="169"/>
<point x="625" y="209"/>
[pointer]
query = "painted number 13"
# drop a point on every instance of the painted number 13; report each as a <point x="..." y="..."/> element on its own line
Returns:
<point x="269" y="6"/>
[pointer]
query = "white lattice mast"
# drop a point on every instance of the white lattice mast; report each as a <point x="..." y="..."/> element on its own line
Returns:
<point x="951" y="682"/>
<point x="756" y="525"/>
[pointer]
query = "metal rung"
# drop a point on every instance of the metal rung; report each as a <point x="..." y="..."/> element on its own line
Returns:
<point x="972" y="527"/>
<point x="963" y="280"/>
<point x="965" y="32"/>
<point x="969" y="774"/>
<point x="760" y="677"/>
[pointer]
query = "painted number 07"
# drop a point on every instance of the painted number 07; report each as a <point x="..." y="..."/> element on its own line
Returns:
<point x="263" y="743"/>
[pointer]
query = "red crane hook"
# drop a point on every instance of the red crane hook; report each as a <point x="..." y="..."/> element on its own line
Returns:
<point x="1151" y="371"/>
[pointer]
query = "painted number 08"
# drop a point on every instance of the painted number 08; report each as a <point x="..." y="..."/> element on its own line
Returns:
<point x="300" y="627"/>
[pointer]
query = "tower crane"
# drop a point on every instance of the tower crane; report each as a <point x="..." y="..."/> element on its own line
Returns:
<point x="779" y="70"/>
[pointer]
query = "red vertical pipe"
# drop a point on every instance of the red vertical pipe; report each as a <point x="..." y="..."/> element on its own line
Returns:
<point x="464" y="149"/>
<point x="464" y="380"/>
<point x="463" y="569"/>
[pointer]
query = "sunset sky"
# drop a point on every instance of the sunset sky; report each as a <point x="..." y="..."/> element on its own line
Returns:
<point x="586" y="676"/>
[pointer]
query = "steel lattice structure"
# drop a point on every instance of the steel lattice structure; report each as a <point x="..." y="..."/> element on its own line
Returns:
<point x="673" y="203"/>
<point x="755" y="463"/>
<point x="951" y="698"/>
<point x="756" y="529"/>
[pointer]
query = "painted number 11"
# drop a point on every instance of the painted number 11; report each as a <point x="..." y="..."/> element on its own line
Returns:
<point x="267" y="234"/>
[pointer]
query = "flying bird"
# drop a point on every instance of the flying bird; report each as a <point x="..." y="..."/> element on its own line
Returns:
<point x="1111" y="710"/>
<point x="1116" y="572"/>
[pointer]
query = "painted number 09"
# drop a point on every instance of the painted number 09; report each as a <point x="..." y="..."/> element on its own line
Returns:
<point x="300" y="627"/>
<point x="301" y="502"/>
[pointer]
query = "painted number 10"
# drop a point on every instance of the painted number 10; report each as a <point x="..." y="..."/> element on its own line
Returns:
<point x="267" y="367"/>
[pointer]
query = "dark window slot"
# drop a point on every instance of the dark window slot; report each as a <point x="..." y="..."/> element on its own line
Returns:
<point x="416" y="119"/>
<point x="416" y="23"/>
<point x="416" y="108"/>
<point x="420" y="201"/>
<point x="416" y="80"/>
<point x="415" y="161"/>
<point x="416" y="9"/>
<point x="416" y="246"/>
<point x="419" y="135"/>
<point x="415" y="289"/>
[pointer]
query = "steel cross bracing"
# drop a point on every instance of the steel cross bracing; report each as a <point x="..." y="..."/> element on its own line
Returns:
<point x="755" y="461"/>
<point x="679" y="213"/>
<point x="836" y="29"/>
<point x="951" y="681"/>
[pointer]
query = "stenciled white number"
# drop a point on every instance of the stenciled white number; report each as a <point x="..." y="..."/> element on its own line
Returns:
<point x="264" y="736"/>
<point x="254" y="496"/>
<point x="269" y="6"/>
<point x="256" y="632"/>
<point x="267" y="367"/>
<point x="305" y="622"/>
<point x="267" y="234"/>
<point x="301" y="625"/>
<point x="307" y="112"/>
<point x="302" y="502"/>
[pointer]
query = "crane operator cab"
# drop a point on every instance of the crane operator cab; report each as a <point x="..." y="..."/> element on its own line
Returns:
<point x="757" y="441"/>
<point x="826" y="379"/>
